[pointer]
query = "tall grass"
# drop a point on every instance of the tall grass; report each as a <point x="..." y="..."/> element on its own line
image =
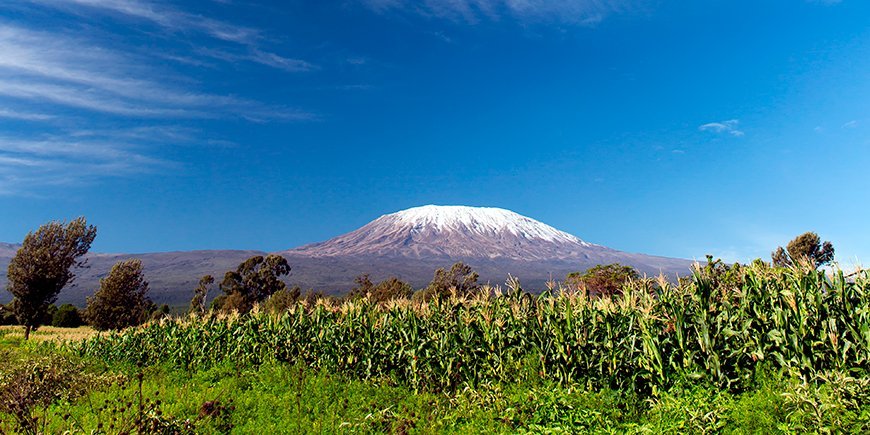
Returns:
<point x="651" y="336"/>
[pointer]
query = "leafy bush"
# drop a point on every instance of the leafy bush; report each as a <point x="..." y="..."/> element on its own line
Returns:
<point x="28" y="386"/>
<point x="67" y="316"/>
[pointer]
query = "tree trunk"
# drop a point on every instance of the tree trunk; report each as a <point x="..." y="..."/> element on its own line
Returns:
<point x="26" y="332"/>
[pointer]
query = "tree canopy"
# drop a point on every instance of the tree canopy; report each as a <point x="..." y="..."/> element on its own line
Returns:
<point x="44" y="265"/>
<point x="805" y="247"/>
<point x="606" y="280"/>
<point x="122" y="300"/>
<point x="460" y="278"/>
<point x="386" y="290"/>
<point x="252" y="282"/>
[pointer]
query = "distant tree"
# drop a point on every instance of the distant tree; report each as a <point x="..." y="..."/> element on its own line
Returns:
<point x="364" y="286"/>
<point x="253" y="281"/>
<point x="602" y="279"/>
<point x="43" y="266"/>
<point x="122" y="300"/>
<point x="282" y="300"/>
<point x="312" y="297"/>
<point x="217" y="304"/>
<point x="723" y="276"/>
<point x="807" y="246"/>
<point x="200" y="294"/>
<point x="67" y="316"/>
<point x="7" y="317"/>
<point x="460" y="278"/>
<point x="159" y="313"/>
<point x="389" y="289"/>
<point x="48" y="317"/>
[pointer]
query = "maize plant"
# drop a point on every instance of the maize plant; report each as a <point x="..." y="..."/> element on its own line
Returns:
<point x="644" y="339"/>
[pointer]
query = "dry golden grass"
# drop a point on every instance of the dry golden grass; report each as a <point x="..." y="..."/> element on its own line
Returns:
<point x="49" y="333"/>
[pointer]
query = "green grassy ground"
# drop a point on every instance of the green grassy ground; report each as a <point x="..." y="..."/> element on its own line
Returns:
<point x="87" y="396"/>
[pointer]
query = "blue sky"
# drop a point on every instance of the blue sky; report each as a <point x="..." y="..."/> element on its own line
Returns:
<point x="669" y="128"/>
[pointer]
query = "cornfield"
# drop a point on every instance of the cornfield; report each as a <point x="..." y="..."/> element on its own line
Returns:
<point x="645" y="339"/>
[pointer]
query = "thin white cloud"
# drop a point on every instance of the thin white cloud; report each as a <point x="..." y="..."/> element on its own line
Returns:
<point x="24" y="116"/>
<point x="30" y="164"/>
<point x="851" y="124"/>
<point x="725" y="127"/>
<point x="261" y="57"/>
<point x="580" y="12"/>
<point x="58" y="79"/>
<point x="161" y="15"/>
<point x="67" y="71"/>
<point x="177" y="21"/>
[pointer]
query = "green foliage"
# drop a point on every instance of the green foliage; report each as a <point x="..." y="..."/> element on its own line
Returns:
<point x="363" y="286"/>
<point x="64" y="395"/>
<point x="43" y="266"/>
<point x="459" y="280"/>
<point x="253" y="281"/>
<point x="602" y="280"/>
<point x="7" y="316"/>
<point x="390" y="289"/>
<point x="385" y="291"/>
<point x="805" y="247"/>
<point x="30" y="385"/>
<point x="283" y="300"/>
<point x="67" y="316"/>
<point x="122" y="300"/>
<point x="793" y="319"/>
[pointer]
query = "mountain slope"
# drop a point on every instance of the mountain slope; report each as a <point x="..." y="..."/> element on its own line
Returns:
<point x="454" y="231"/>
<point x="409" y="244"/>
<point x="172" y="276"/>
<point x="494" y="241"/>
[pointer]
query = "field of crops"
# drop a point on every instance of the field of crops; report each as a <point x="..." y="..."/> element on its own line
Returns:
<point x="656" y="334"/>
<point x="749" y="350"/>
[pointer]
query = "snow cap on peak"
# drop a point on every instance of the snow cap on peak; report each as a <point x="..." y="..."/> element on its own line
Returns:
<point x="480" y="220"/>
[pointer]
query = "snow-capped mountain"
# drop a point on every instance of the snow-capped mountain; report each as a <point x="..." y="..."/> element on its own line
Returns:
<point x="409" y="244"/>
<point x="496" y="242"/>
<point x="454" y="231"/>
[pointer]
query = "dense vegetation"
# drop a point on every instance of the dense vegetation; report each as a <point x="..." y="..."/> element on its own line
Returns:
<point x="652" y="336"/>
<point x="761" y="348"/>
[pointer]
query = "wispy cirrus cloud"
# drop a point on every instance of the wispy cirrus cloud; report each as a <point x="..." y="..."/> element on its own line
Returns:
<point x="579" y="12"/>
<point x="257" y="56"/>
<point x="725" y="127"/>
<point x="62" y="159"/>
<point x="24" y="115"/>
<point x="162" y="15"/>
<point x="96" y="79"/>
<point x="68" y="71"/>
<point x="179" y="22"/>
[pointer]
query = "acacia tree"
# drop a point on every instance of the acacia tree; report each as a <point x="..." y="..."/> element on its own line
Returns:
<point x="386" y="290"/>
<point x="43" y="266"/>
<point x="200" y="294"/>
<point x="460" y="278"/>
<point x="363" y="287"/>
<point x="605" y="279"/>
<point x="807" y="246"/>
<point x="391" y="288"/>
<point x="253" y="281"/>
<point x="122" y="300"/>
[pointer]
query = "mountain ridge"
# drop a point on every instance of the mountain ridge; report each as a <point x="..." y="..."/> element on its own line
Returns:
<point x="454" y="231"/>
<point x="409" y="244"/>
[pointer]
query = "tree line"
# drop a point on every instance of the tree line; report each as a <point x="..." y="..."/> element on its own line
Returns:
<point x="46" y="261"/>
